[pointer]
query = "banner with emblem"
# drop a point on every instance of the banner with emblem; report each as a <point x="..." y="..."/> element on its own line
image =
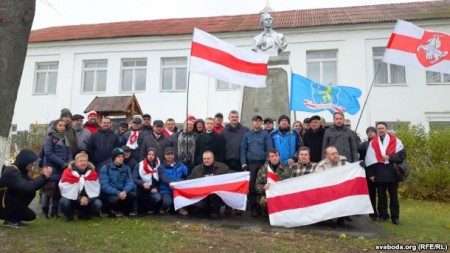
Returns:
<point x="412" y="46"/>
<point x="310" y="96"/>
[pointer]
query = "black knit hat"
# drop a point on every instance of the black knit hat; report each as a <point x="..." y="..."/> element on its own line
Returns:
<point x="116" y="152"/>
<point x="284" y="116"/>
<point x="371" y="128"/>
<point x="65" y="113"/>
<point x="24" y="158"/>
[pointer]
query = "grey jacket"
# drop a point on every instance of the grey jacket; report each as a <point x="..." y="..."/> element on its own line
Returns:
<point x="83" y="136"/>
<point x="343" y="138"/>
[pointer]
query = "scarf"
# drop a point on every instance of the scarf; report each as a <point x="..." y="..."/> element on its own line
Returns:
<point x="186" y="146"/>
<point x="148" y="173"/>
<point x="132" y="140"/>
<point x="61" y="137"/>
<point x="72" y="183"/>
<point x="378" y="149"/>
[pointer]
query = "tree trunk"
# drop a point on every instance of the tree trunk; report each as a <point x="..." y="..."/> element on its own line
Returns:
<point x="16" y="18"/>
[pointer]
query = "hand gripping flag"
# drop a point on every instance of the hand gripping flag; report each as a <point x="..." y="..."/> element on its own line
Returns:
<point x="415" y="47"/>
<point x="309" y="96"/>
<point x="232" y="188"/>
<point x="319" y="196"/>
<point x="215" y="58"/>
<point x="72" y="183"/>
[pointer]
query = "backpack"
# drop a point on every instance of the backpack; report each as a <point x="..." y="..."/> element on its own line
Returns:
<point x="402" y="170"/>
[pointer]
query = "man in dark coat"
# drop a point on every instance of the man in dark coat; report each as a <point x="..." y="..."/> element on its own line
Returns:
<point x="102" y="143"/>
<point x="313" y="138"/>
<point x="17" y="189"/>
<point x="233" y="134"/>
<point x="209" y="140"/>
<point x="157" y="140"/>
<point x="342" y="137"/>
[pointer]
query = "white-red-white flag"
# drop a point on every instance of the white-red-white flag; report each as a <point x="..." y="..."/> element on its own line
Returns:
<point x="231" y="188"/>
<point x="271" y="176"/>
<point x="415" y="47"/>
<point x="319" y="196"/>
<point x="72" y="183"/>
<point x="215" y="58"/>
<point x="378" y="149"/>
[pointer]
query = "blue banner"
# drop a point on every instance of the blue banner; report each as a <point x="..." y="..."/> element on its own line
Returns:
<point x="309" y="96"/>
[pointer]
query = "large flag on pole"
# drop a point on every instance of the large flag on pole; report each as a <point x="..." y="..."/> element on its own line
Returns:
<point x="310" y="96"/>
<point x="215" y="58"/>
<point x="231" y="188"/>
<point x="415" y="47"/>
<point x="319" y="196"/>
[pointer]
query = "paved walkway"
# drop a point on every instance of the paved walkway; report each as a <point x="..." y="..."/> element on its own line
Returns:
<point x="360" y="226"/>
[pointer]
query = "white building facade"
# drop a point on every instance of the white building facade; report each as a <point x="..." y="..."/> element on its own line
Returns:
<point x="71" y="73"/>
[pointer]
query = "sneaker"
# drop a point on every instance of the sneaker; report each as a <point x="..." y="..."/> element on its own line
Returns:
<point x="183" y="211"/>
<point x="11" y="224"/>
<point x="133" y="214"/>
<point x="117" y="213"/>
<point x="103" y="214"/>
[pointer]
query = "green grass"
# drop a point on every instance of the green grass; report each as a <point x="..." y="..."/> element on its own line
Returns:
<point x="421" y="222"/>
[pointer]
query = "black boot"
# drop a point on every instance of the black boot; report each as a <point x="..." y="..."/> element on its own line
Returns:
<point x="44" y="213"/>
<point x="54" y="212"/>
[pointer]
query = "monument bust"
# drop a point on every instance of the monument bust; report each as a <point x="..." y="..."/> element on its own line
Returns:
<point x="268" y="40"/>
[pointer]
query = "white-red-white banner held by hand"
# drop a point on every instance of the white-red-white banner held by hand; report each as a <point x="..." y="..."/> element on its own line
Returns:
<point x="232" y="188"/>
<point x="215" y="58"/>
<point x="319" y="196"/>
<point x="415" y="47"/>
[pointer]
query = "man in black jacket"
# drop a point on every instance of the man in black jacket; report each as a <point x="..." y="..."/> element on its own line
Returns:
<point x="102" y="143"/>
<point x="313" y="138"/>
<point x="17" y="189"/>
<point x="209" y="141"/>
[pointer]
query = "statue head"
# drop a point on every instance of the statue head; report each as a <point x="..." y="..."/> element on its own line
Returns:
<point x="266" y="20"/>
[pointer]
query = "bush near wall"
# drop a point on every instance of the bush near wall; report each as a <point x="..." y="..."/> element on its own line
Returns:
<point x="428" y="154"/>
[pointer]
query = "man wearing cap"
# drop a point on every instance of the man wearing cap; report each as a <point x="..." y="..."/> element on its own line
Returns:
<point x="306" y="123"/>
<point x="254" y="146"/>
<point x="135" y="137"/>
<point x="69" y="133"/>
<point x="286" y="141"/>
<point x="362" y="150"/>
<point x="184" y="144"/>
<point x="117" y="186"/>
<point x="268" y="125"/>
<point x="313" y="138"/>
<point x="102" y="143"/>
<point x="170" y="171"/>
<point x="146" y="124"/>
<point x="170" y="127"/>
<point x="218" y="120"/>
<point x="17" y="189"/>
<point x="341" y="137"/>
<point x="120" y="133"/>
<point x="233" y="134"/>
<point x="83" y="135"/>
<point x="157" y="140"/>
<point x="92" y="125"/>
<point x="128" y="159"/>
<point x="209" y="140"/>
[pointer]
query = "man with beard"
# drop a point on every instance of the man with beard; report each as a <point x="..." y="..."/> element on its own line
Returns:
<point x="17" y="189"/>
<point x="282" y="171"/>
<point x="313" y="138"/>
<point x="341" y="137"/>
<point x="83" y="135"/>
<point x="92" y="125"/>
<point x="210" y="140"/>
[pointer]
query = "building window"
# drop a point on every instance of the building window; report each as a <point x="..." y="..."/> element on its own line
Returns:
<point x="94" y="75"/>
<point x="174" y="74"/>
<point x="134" y="75"/>
<point x="396" y="125"/>
<point x="46" y="78"/>
<point x="322" y="66"/>
<point x="437" y="78"/>
<point x="435" y="125"/>
<point x="223" y="86"/>
<point x="387" y="73"/>
<point x="13" y="128"/>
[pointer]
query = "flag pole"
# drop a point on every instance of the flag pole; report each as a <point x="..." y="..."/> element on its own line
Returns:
<point x="368" y="94"/>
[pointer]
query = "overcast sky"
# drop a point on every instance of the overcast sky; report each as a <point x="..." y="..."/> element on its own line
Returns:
<point x="72" y="12"/>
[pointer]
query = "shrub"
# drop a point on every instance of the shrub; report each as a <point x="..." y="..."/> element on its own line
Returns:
<point x="429" y="157"/>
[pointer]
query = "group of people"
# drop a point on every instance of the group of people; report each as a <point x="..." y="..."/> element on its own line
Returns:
<point x="91" y="169"/>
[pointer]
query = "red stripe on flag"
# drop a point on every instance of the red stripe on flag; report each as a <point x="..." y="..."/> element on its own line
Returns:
<point x="236" y="187"/>
<point x="68" y="177"/>
<point x="228" y="60"/>
<point x="356" y="186"/>
<point x="403" y="43"/>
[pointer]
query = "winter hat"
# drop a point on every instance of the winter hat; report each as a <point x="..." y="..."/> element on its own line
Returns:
<point x="65" y="113"/>
<point x="123" y="124"/>
<point x="92" y="114"/>
<point x="116" y="152"/>
<point x="371" y="128"/>
<point x="284" y="116"/>
<point x="24" y="158"/>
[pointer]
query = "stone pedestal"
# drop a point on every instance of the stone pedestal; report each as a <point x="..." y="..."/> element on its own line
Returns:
<point x="273" y="100"/>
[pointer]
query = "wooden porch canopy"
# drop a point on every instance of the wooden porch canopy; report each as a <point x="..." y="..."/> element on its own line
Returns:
<point x="115" y="106"/>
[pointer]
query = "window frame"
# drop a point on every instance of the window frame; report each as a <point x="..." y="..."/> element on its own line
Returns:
<point x="230" y="86"/>
<point x="437" y="124"/>
<point x="395" y="125"/>
<point x="173" y="67"/>
<point x="441" y="75"/>
<point x="133" y="78"/>
<point x="321" y="62"/>
<point x="46" y="71"/>
<point x="96" y="69"/>
<point x="388" y="69"/>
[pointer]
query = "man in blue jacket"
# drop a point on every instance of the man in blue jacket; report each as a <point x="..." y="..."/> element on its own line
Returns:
<point x="254" y="147"/>
<point x="117" y="186"/>
<point x="286" y="141"/>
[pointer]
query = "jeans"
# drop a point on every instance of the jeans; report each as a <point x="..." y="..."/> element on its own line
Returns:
<point x="68" y="206"/>
<point x="167" y="201"/>
<point x="115" y="203"/>
<point x="147" y="200"/>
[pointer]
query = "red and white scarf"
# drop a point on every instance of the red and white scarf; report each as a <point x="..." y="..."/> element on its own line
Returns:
<point x="72" y="183"/>
<point x="148" y="173"/>
<point x="378" y="149"/>
<point x="132" y="140"/>
<point x="167" y="132"/>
